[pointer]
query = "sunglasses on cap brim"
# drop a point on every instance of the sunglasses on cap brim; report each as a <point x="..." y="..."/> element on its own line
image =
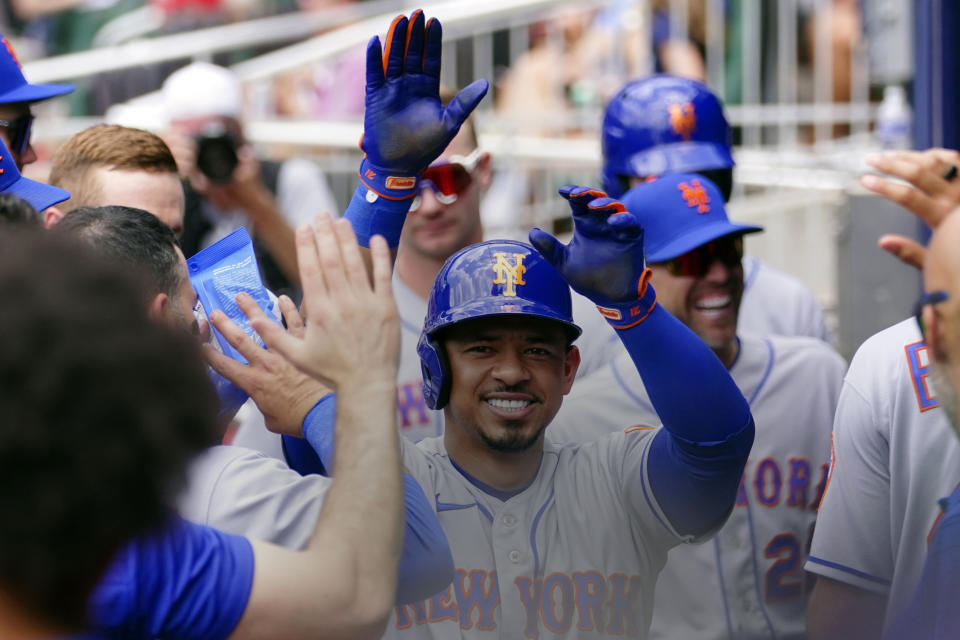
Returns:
<point x="448" y="179"/>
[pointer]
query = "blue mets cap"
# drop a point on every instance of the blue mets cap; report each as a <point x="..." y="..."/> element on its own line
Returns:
<point x="37" y="194"/>
<point x="679" y="212"/>
<point x="15" y="88"/>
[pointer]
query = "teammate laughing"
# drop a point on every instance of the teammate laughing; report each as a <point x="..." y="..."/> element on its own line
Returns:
<point x="746" y="582"/>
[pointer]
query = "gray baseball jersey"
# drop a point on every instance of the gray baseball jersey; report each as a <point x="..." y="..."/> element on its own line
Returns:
<point x="243" y="492"/>
<point x="895" y="455"/>
<point x="573" y="555"/>
<point x="775" y="303"/>
<point x="746" y="582"/>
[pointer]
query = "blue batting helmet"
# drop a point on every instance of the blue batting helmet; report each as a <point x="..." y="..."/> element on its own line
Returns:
<point x="663" y="124"/>
<point x="494" y="278"/>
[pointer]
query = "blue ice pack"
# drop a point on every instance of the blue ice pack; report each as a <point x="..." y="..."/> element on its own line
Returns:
<point x="218" y="273"/>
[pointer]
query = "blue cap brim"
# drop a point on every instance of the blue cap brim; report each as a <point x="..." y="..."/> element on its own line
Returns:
<point x="38" y="195"/>
<point x="701" y="235"/>
<point x="35" y="92"/>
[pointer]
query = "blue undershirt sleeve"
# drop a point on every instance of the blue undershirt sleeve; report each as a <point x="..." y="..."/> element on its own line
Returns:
<point x="697" y="459"/>
<point x="381" y="216"/>
<point x="187" y="581"/>
<point x="426" y="563"/>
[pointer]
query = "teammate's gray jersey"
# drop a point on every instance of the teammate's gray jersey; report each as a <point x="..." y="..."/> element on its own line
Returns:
<point x="775" y="303"/>
<point x="747" y="581"/>
<point x="894" y="457"/>
<point x="245" y="493"/>
<point x="574" y="555"/>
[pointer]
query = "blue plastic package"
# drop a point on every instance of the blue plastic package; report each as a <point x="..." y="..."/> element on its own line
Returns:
<point x="218" y="273"/>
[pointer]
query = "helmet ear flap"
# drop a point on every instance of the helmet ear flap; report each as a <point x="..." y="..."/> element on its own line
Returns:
<point x="435" y="370"/>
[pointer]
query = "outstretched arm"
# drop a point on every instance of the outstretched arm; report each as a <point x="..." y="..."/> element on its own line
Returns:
<point x="295" y="405"/>
<point x="405" y="126"/>
<point x="344" y="583"/>
<point x="696" y="461"/>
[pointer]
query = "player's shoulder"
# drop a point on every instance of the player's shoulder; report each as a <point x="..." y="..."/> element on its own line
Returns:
<point x="806" y="351"/>
<point x="885" y="354"/>
<point x="223" y="474"/>
<point x="760" y="275"/>
<point x="214" y="461"/>
<point x="889" y="342"/>
<point x="426" y="459"/>
<point x="604" y="449"/>
<point x="412" y="308"/>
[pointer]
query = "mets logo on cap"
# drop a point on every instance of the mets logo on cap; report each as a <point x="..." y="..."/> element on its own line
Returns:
<point x="695" y="195"/>
<point x="10" y="50"/>
<point x="507" y="274"/>
<point x="683" y="119"/>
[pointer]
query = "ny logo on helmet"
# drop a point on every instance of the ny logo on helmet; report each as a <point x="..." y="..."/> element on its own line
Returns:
<point x="509" y="274"/>
<point x="683" y="119"/>
<point x="695" y="195"/>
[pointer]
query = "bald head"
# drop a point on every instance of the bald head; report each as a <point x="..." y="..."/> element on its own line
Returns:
<point x="941" y="269"/>
<point x="941" y="273"/>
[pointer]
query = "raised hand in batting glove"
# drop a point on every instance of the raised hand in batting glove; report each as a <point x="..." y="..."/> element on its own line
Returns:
<point x="405" y="125"/>
<point x="604" y="260"/>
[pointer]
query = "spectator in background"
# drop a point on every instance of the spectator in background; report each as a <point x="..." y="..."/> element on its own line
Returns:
<point x="326" y="89"/>
<point x="226" y="185"/>
<point x="580" y="67"/>
<point x="680" y="56"/>
<point x="110" y="164"/>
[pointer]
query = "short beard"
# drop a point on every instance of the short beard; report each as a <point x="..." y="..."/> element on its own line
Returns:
<point x="946" y="393"/>
<point x="512" y="441"/>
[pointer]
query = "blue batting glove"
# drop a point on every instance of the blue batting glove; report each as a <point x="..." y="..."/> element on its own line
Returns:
<point x="604" y="260"/>
<point x="406" y="127"/>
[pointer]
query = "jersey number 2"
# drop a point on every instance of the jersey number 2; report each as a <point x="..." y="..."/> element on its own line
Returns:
<point x="782" y="579"/>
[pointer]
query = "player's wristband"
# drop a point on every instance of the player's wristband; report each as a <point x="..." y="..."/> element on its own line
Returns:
<point x="388" y="184"/>
<point x="319" y="428"/>
<point x="623" y="315"/>
<point x="373" y="215"/>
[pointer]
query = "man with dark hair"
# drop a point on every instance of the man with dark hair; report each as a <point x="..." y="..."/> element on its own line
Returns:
<point x="114" y="165"/>
<point x="95" y="438"/>
<point x="141" y="242"/>
<point x="14" y="212"/>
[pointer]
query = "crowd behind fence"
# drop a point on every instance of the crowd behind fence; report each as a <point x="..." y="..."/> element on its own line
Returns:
<point x="796" y="77"/>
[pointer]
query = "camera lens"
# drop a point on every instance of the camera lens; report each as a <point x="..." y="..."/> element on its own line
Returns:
<point x="216" y="153"/>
